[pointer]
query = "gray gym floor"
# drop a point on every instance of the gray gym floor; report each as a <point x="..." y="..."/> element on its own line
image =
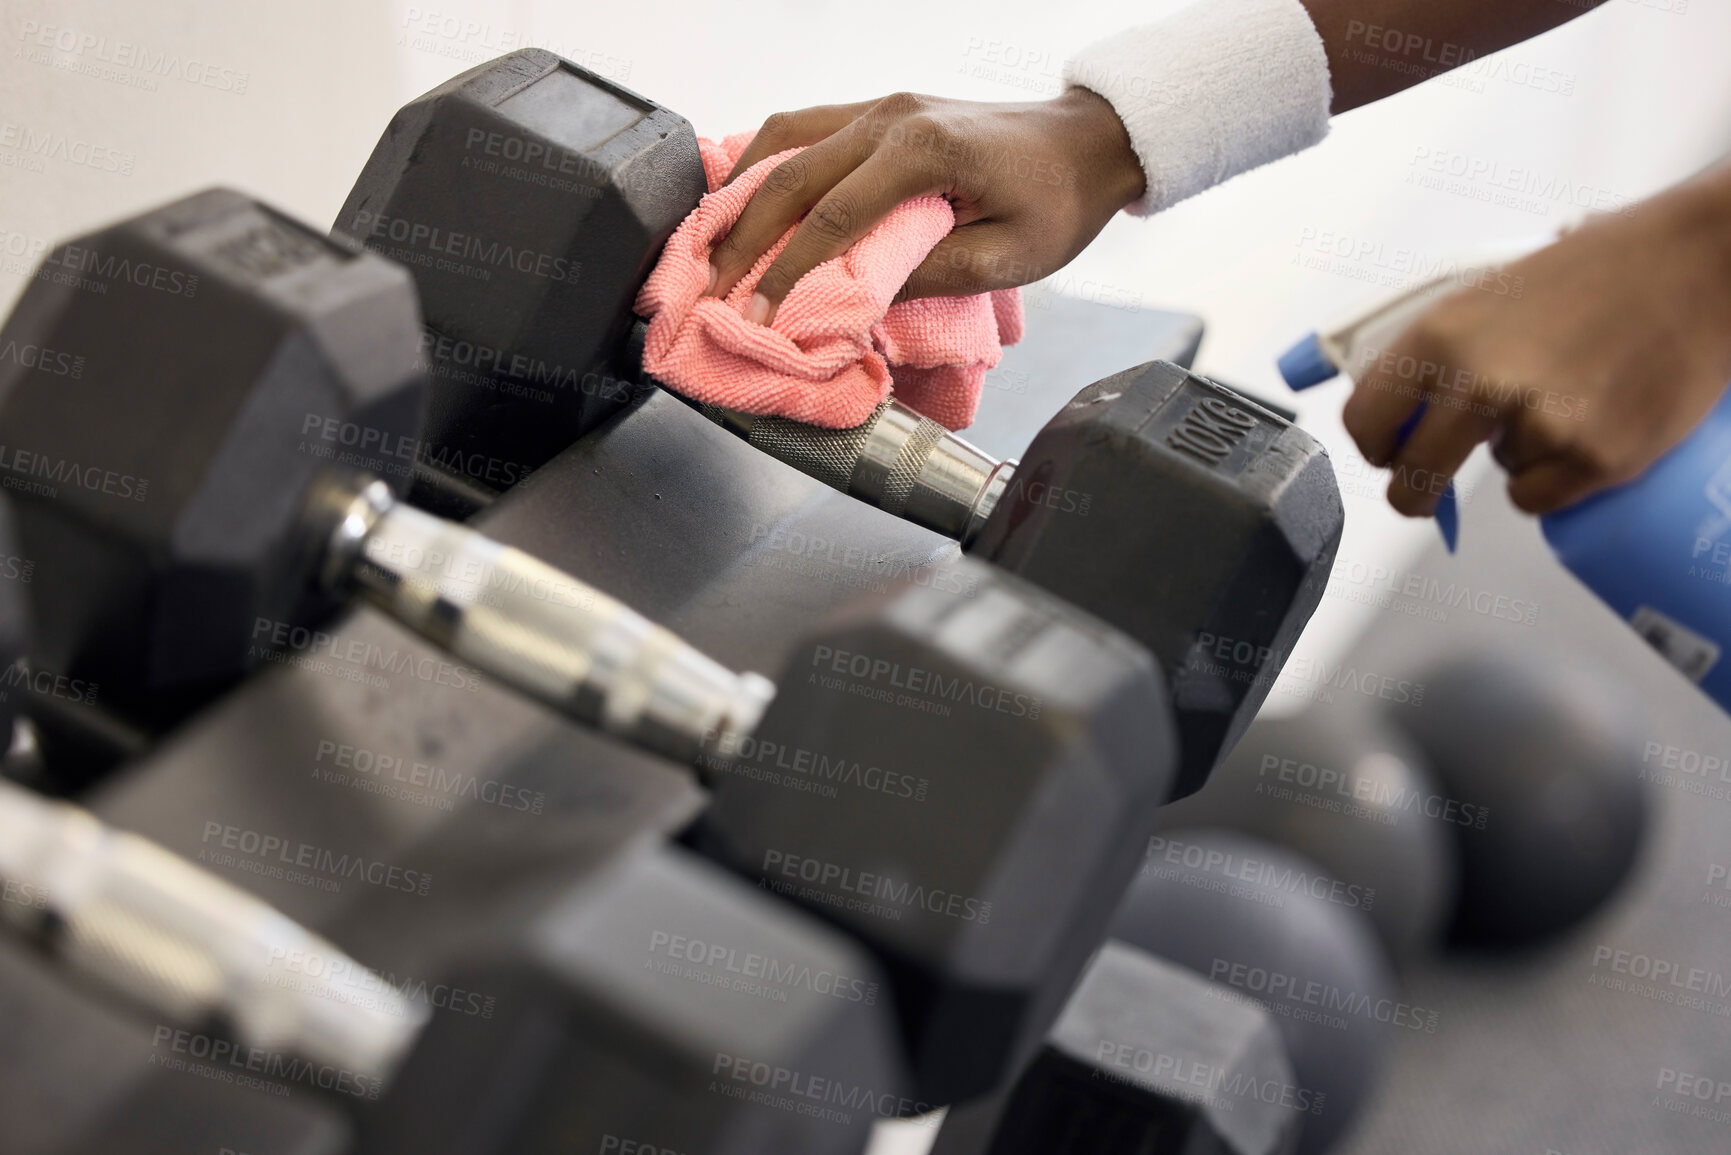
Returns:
<point x="1532" y="1056"/>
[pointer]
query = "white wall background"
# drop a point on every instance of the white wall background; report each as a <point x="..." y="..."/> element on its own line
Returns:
<point x="1263" y="259"/>
<point x="108" y="107"/>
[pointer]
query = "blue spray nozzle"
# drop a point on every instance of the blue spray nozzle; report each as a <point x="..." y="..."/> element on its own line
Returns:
<point x="1306" y="364"/>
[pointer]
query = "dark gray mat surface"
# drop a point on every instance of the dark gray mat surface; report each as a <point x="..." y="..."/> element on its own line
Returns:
<point x="1533" y="1055"/>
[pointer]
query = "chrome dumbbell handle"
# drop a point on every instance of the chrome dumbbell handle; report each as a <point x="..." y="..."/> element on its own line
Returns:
<point x="143" y="923"/>
<point x="536" y="628"/>
<point x="896" y="460"/>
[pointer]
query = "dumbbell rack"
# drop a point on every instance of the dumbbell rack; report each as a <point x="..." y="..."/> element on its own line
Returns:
<point x="687" y="524"/>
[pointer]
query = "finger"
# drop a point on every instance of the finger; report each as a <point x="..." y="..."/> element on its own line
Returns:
<point x="791" y="190"/>
<point x="787" y="130"/>
<point x="1423" y="467"/>
<point x="846" y="213"/>
<point x="1553" y="483"/>
<point x="1522" y="442"/>
<point x="1505" y="448"/>
<point x="1380" y="406"/>
<point x="973" y="258"/>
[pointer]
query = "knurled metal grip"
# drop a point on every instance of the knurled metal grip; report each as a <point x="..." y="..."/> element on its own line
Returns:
<point x="897" y="460"/>
<point x="536" y="628"/>
<point x="896" y="480"/>
<point x="145" y="924"/>
<point x="829" y="455"/>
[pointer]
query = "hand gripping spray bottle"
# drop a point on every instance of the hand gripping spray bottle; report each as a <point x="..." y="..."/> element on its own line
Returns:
<point x="1657" y="550"/>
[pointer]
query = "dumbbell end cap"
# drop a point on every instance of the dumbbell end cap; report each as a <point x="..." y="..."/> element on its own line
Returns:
<point x="751" y="696"/>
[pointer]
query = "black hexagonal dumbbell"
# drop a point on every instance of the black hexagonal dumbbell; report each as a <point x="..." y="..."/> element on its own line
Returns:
<point x="1193" y="519"/>
<point x="659" y="1002"/>
<point x="1199" y="522"/>
<point x="1041" y="732"/>
<point x="188" y="516"/>
<point x="1147" y="1059"/>
<point x="16" y="572"/>
<point x="527" y="289"/>
<point x="648" y="996"/>
<point x="1044" y="748"/>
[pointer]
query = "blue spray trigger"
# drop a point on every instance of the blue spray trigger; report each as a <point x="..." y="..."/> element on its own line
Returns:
<point x="1407" y="426"/>
<point x="1307" y="363"/>
<point x="1448" y="517"/>
<point x="1448" y="512"/>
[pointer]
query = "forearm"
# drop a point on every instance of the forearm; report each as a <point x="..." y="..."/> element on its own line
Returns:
<point x="1379" y="47"/>
<point x="1691" y="227"/>
<point x="1223" y="86"/>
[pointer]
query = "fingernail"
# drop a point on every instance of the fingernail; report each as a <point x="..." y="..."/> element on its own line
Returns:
<point x="757" y="309"/>
<point x="714" y="279"/>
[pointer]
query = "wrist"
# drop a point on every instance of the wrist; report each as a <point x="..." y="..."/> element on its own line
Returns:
<point x="1710" y="215"/>
<point x="1110" y="172"/>
<point x="1213" y="90"/>
<point x="1696" y="219"/>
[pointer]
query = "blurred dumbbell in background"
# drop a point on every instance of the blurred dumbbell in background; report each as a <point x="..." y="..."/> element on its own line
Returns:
<point x="1496" y="815"/>
<point x="1547" y="750"/>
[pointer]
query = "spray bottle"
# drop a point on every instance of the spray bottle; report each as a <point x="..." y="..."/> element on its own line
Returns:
<point x="1656" y="550"/>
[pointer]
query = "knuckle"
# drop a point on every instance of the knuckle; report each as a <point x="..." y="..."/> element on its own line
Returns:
<point x="777" y="126"/>
<point x="899" y="104"/>
<point x="1428" y="351"/>
<point x="926" y="136"/>
<point x="789" y="177"/>
<point x="833" y="219"/>
<point x="775" y="282"/>
<point x="910" y="122"/>
<point x="730" y="247"/>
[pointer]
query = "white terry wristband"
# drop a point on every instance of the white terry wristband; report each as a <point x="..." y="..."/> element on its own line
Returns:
<point x="1211" y="91"/>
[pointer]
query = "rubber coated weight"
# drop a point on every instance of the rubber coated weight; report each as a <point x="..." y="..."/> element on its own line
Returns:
<point x="16" y="572"/>
<point x="659" y="1001"/>
<point x="1001" y="757"/>
<point x="1199" y="523"/>
<point x="1549" y="750"/>
<point x="529" y="197"/>
<point x="1147" y="1059"/>
<point x="1352" y="794"/>
<point x="169" y="525"/>
<point x="1273" y="928"/>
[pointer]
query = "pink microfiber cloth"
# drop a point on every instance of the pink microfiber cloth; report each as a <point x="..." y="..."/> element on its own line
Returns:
<point x="837" y="346"/>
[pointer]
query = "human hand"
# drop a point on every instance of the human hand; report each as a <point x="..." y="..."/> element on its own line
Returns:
<point x="1618" y="345"/>
<point x="1031" y="185"/>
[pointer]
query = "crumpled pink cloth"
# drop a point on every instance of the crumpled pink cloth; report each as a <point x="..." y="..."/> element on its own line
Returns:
<point x="837" y="346"/>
